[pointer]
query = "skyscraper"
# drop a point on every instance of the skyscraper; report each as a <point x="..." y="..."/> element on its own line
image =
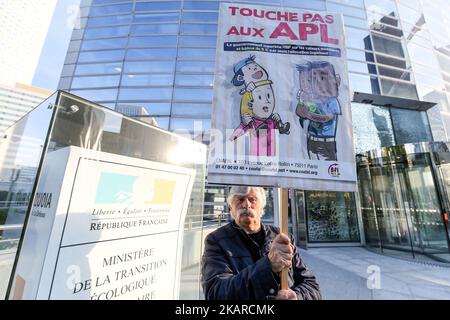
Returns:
<point x="23" y="28"/>
<point x="17" y="100"/>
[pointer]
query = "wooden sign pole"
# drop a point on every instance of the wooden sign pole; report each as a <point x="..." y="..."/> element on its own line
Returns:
<point x="283" y="204"/>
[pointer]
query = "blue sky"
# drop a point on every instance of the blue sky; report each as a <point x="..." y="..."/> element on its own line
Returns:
<point x="54" y="51"/>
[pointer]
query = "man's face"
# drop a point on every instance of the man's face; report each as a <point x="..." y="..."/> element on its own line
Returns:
<point x="263" y="102"/>
<point x="305" y="80"/>
<point x="247" y="211"/>
<point x="325" y="84"/>
<point x="253" y="72"/>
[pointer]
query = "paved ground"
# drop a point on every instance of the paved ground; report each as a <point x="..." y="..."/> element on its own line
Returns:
<point x="6" y="263"/>
<point x="355" y="273"/>
<point x="351" y="273"/>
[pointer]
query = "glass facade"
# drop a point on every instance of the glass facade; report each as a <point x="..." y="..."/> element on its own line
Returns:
<point x="64" y="121"/>
<point x="331" y="216"/>
<point x="160" y="55"/>
<point x="20" y="157"/>
<point x="153" y="52"/>
<point x="402" y="204"/>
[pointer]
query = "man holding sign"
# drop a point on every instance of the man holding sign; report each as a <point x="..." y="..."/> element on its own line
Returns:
<point x="243" y="259"/>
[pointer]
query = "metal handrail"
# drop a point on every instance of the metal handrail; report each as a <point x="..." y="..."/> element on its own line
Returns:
<point x="11" y="227"/>
<point x="9" y="240"/>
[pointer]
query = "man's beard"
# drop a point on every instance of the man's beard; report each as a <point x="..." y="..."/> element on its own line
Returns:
<point x="250" y="212"/>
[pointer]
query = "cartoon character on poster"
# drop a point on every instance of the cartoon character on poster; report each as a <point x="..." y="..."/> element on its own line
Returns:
<point x="257" y="106"/>
<point x="318" y="105"/>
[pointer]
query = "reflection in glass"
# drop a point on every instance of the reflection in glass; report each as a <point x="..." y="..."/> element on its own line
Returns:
<point x="215" y="211"/>
<point x="361" y="67"/>
<point x="393" y="61"/>
<point x="357" y="38"/>
<point x="391" y="218"/>
<point x="147" y="80"/>
<point x="201" y="5"/>
<point x="311" y="5"/>
<point x="385" y="7"/>
<point x="98" y="44"/>
<point x="111" y="9"/>
<point x="102" y="68"/>
<point x="194" y="80"/>
<point x="302" y="235"/>
<point x="156" y="17"/>
<point x="97" y="128"/>
<point x="191" y="125"/>
<point x="195" y="66"/>
<point x="408" y="220"/>
<point x="95" y="82"/>
<point x="147" y="54"/>
<point x="100" y="2"/>
<point x="410" y="126"/>
<point x="152" y="108"/>
<point x="372" y="127"/>
<point x="355" y="22"/>
<point x="184" y="94"/>
<point x="149" y="67"/>
<point x="154" y="29"/>
<point x="398" y="89"/>
<point x="21" y="148"/>
<point x="197" y="54"/>
<point x="91" y="127"/>
<point x="360" y="55"/>
<point x="106" y="32"/>
<point x="367" y="207"/>
<point x="388" y="45"/>
<point x="363" y="83"/>
<point x="200" y="16"/>
<point x="108" y="20"/>
<point x="197" y="41"/>
<point x="99" y="56"/>
<point x="428" y="234"/>
<point x="411" y="15"/>
<point x="423" y="55"/>
<point x="145" y="94"/>
<point x="163" y="122"/>
<point x="155" y="41"/>
<point x="193" y="28"/>
<point x="394" y="73"/>
<point x="194" y="109"/>
<point x="346" y="10"/>
<point x="155" y="6"/>
<point x="97" y="95"/>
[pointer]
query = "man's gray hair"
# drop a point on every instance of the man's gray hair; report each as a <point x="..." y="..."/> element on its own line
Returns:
<point x="239" y="191"/>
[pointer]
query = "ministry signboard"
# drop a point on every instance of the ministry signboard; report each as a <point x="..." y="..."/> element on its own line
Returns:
<point x="104" y="227"/>
<point x="281" y="107"/>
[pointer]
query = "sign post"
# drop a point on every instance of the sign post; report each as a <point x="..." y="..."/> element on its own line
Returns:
<point x="281" y="107"/>
<point x="284" y="222"/>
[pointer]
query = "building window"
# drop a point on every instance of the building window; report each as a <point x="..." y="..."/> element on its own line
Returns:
<point x="331" y="216"/>
<point x="399" y="89"/>
<point x="372" y="127"/>
<point x="103" y="68"/>
<point x="410" y="126"/>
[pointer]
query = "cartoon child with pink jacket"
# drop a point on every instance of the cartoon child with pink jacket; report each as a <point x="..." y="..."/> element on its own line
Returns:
<point x="262" y="122"/>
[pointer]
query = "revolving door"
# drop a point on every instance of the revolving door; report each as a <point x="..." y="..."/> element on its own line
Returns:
<point x="404" y="200"/>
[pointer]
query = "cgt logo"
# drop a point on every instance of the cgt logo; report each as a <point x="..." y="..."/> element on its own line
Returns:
<point x="333" y="170"/>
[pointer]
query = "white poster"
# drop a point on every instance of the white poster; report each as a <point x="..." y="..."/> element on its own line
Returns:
<point x="281" y="107"/>
<point x="113" y="229"/>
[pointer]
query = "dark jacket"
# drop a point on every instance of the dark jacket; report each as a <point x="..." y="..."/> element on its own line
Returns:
<point x="230" y="272"/>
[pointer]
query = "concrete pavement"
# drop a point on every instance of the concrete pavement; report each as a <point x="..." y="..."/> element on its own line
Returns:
<point x="354" y="273"/>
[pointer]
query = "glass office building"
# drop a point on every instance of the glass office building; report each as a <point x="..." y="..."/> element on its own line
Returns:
<point x="159" y="55"/>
